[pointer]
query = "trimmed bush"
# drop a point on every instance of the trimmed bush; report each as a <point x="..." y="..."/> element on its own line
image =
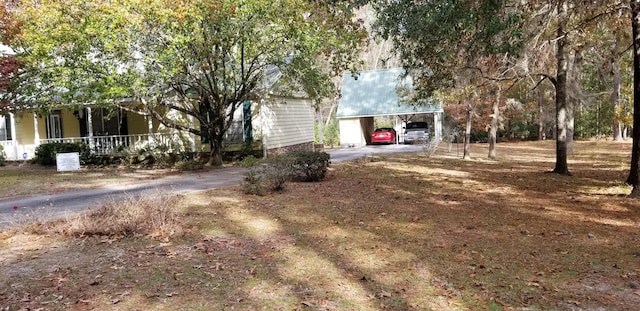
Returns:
<point x="272" y="173"/>
<point x="252" y="183"/>
<point x="46" y="153"/>
<point x="276" y="171"/>
<point x="269" y="174"/>
<point x="309" y="165"/>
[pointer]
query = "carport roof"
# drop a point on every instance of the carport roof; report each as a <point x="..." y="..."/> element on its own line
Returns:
<point x="374" y="93"/>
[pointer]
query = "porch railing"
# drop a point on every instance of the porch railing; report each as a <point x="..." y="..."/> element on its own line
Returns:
<point x="117" y="144"/>
<point x="9" y="149"/>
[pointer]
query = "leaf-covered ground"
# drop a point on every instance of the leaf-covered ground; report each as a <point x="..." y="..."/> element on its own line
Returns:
<point x="391" y="232"/>
<point x="20" y="179"/>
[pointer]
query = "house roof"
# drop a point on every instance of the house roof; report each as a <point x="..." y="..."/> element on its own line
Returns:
<point x="375" y="93"/>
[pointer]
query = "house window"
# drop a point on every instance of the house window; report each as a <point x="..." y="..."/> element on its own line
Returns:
<point x="235" y="132"/>
<point x="240" y="129"/>
<point x="5" y="127"/>
<point x="54" y="125"/>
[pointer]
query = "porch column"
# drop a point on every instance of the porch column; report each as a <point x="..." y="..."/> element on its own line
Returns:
<point x="398" y="129"/>
<point x="150" y="125"/>
<point x="192" y="137"/>
<point x="14" y="139"/>
<point x="437" y="123"/>
<point x="90" y="128"/>
<point x="175" y="134"/>
<point x="36" y="137"/>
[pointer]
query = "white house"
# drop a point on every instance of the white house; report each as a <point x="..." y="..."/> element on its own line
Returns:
<point x="280" y="123"/>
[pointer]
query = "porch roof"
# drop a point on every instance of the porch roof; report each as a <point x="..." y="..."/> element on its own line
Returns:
<point x="375" y="93"/>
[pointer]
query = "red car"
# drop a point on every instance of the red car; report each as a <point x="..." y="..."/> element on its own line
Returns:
<point x="385" y="135"/>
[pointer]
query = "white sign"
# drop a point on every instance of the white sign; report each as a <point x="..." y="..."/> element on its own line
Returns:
<point x="68" y="161"/>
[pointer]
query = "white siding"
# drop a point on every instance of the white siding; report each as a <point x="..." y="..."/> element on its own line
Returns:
<point x="351" y="133"/>
<point x="287" y="122"/>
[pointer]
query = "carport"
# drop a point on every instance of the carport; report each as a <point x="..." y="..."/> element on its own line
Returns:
<point x="374" y="93"/>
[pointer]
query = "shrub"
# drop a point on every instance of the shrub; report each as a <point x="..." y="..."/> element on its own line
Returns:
<point x="252" y="183"/>
<point x="273" y="172"/>
<point x="46" y="153"/>
<point x="162" y="154"/>
<point x="276" y="171"/>
<point x="310" y="165"/>
<point x="3" y="157"/>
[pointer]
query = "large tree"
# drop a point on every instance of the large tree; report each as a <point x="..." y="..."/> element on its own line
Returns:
<point x="634" y="173"/>
<point x="561" y="23"/>
<point x="200" y="58"/>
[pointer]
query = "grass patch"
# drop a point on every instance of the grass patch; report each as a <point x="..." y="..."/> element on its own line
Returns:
<point x="150" y="214"/>
<point x="392" y="232"/>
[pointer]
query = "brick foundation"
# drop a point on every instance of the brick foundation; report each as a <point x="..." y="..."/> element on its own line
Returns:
<point x="306" y="146"/>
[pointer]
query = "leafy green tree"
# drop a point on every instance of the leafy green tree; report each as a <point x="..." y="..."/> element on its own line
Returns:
<point x="9" y="28"/>
<point x="199" y="58"/>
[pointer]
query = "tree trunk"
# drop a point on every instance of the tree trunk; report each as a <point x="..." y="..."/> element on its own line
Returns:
<point x="562" y="113"/>
<point x="542" y="131"/>
<point x="615" y="99"/>
<point x="467" y="133"/>
<point x="215" y="155"/>
<point x="634" y="179"/>
<point x="495" y="118"/>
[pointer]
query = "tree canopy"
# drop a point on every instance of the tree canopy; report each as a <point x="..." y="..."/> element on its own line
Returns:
<point x="437" y="38"/>
<point x="200" y="58"/>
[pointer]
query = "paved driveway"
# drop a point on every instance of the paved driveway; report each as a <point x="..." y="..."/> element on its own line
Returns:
<point x="73" y="201"/>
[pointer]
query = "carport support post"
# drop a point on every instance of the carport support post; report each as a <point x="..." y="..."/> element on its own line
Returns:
<point x="396" y="127"/>
<point x="437" y="123"/>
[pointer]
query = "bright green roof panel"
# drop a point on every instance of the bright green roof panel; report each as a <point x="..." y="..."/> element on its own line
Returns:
<point x="374" y="93"/>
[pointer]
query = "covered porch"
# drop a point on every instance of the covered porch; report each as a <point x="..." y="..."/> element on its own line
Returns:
<point x="116" y="144"/>
<point x="105" y="132"/>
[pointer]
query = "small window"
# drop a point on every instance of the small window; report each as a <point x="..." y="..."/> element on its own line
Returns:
<point x="416" y="125"/>
<point x="5" y="127"/>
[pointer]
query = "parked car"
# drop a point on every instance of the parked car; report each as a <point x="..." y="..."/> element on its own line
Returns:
<point x="385" y="135"/>
<point x="416" y="132"/>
